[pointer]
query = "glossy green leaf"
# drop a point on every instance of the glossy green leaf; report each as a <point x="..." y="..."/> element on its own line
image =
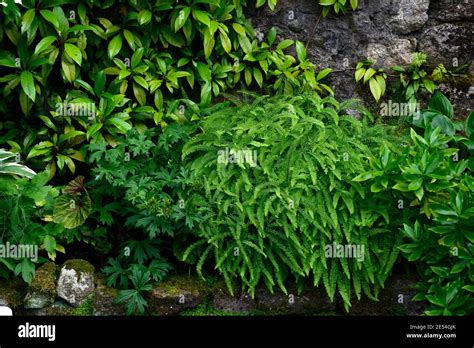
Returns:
<point x="441" y="104"/>
<point x="74" y="52"/>
<point x="28" y="84"/>
<point x="44" y="44"/>
<point x="115" y="45"/>
<point x="144" y="17"/>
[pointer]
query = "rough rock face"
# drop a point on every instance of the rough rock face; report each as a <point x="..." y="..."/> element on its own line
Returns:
<point x="176" y="294"/>
<point x="42" y="290"/>
<point x="225" y="302"/>
<point x="398" y="52"/>
<point x="76" y="281"/>
<point x="449" y="10"/>
<point x="182" y="292"/>
<point x="449" y="44"/>
<point x="394" y="299"/>
<point x="311" y="301"/>
<point x="388" y="30"/>
<point x="411" y="16"/>
<point x="58" y="308"/>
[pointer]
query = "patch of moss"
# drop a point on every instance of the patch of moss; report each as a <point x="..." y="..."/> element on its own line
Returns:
<point x="60" y="310"/>
<point x="79" y="265"/>
<point x="12" y="292"/>
<point x="205" y="309"/>
<point x="220" y="285"/>
<point x="86" y="308"/>
<point x="460" y="82"/>
<point x="45" y="279"/>
<point x="175" y="285"/>
<point x="101" y="285"/>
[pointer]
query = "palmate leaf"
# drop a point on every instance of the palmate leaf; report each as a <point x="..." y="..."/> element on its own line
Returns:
<point x="72" y="210"/>
<point x="134" y="301"/>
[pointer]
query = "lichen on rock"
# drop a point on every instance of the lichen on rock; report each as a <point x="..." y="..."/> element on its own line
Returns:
<point x="76" y="281"/>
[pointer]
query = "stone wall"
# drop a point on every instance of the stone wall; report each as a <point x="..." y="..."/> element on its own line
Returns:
<point x="74" y="289"/>
<point x="387" y="31"/>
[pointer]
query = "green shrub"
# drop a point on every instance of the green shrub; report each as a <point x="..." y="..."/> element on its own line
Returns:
<point x="434" y="186"/>
<point x="269" y="214"/>
<point x="136" y="190"/>
<point x="24" y="205"/>
<point x="375" y="78"/>
<point x="413" y="79"/>
<point x="338" y="6"/>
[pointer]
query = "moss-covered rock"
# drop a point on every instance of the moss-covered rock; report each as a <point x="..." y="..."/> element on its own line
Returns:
<point x="42" y="290"/>
<point x="312" y="301"/>
<point x="394" y="299"/>
<point x="86" y="308"/>
<point x="103" y="304"/>
<point x="61" y="308"/>
<point x="223" y="301"/>
<point x="76" y="281"/>
<point x="176" y="294"/>
<point x="58" y="308"/>
<point x="80" y="266"/>
<point x="12" y="292"/>
<point x="206" y="309"/>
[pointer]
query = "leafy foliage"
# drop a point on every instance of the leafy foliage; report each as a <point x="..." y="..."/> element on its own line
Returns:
<point x="414" y="79"/>
<point x="271" y="217"/>
<point x="375" y="78"/>
<point x="437" y="185"/>
<point x="339" y="6"/>
<point x="133" y="298"/>
<point x="8" y="166"/>
<point x="104" y="94"/>
<point x="140" y="183"/>
<point x="92" y="94"/>
<point x="74" y="206"/>
<point x="24" y="204"/>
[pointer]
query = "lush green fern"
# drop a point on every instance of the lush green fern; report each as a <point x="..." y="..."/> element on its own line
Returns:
<point x="271" y="222"/>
